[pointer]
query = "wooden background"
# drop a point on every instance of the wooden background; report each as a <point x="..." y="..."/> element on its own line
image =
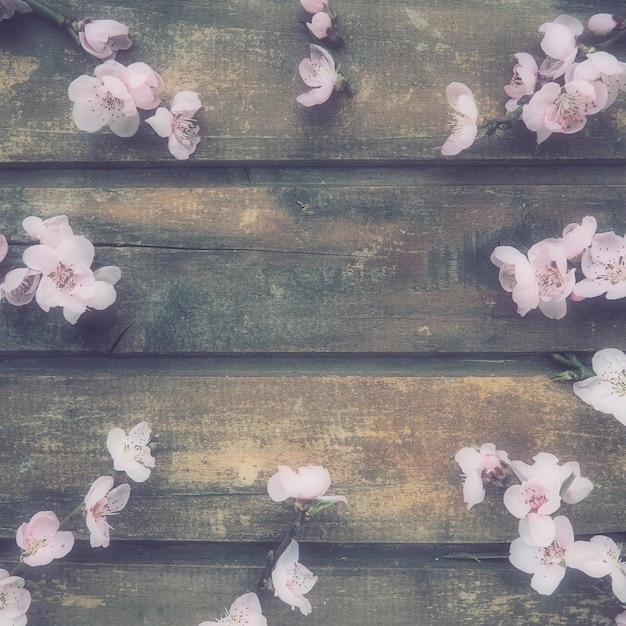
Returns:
<point x="313" y="286"/>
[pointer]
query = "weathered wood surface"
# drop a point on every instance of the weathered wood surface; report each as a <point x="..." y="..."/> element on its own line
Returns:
<point x="335" y="261"/>
<point x="186" y="584"/>
<point x="242" y="57"/>
<point x="389" y="442"/>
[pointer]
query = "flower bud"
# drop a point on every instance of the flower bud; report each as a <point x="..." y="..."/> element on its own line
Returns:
<point x="605" y="23"/>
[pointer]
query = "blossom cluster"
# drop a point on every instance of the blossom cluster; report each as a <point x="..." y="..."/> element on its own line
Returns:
<point x="58" y="271"/>
<point x="319" y="71"/>
<point x="41" y="539"/>
<point x="556" y="94"/>
<point x="546" y="545"/>
<point x="547" y="275"/>
<point x="116" y="93"/>
<point x="288" y="578"/>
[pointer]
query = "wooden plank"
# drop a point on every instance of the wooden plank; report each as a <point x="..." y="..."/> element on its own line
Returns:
<point x="242" y="58"/>
<point x="355" y="586"/>
<point x="388" y="441"/>
<point x="394" y="266"/>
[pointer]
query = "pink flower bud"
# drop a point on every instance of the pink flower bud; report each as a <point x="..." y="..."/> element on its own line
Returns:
<point x="605" y="23"/>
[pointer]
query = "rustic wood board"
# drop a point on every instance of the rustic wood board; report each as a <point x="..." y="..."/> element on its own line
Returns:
<point x="388" y="441"/>
<point x="178" y="584"/>
<point x="336" y="261"/>
<point x="242" y="58"/>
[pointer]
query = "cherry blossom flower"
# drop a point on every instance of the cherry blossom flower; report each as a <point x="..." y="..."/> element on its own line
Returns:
<point x="103" y="38"/>
<point x="542" y="280"/>
<point x="605" y="73"/>
<point x="144" y="84"/>
<point x="480" y="466"/>
<point x="131" y="453"/>
<point x="556" y="109"/>
<point x="14" y="600"/>
<point x="560" y="44"/>
<point x="606" y="392"/>
<point x="19" y="285"/>
<point x="244" y="611"/>
<point x="523" y="81"/>
<point x="291" y="580"/>
<point x="320" y="73"/>
<point x="605" y="23"/>
<point x="178" y="126"/>
<point x="103" y="100"/>
<point x="306" y="485"/>
<point x="599" y="557"/>
<point x="577" y="237"/>
<point x="67" y="280"/>
<point x="41" y="540"/>
<point x="535" y="500"/>
<point x="9" y="7"/>
<point x="547" y="564"/>
<point x="50" y="231"/>
<point x="604" y="267"/>
<point x="464" y="119"/>
<point x="568" y="475"/>
<point x="321" y="27"/>
<point x="111" y="97"/>
<point x="101" y="500"/>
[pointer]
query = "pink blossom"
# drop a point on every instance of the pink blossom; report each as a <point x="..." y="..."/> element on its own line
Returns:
<point x="244" y="611"/>
<point x="560" y="44"/>
<point x="144" y="84"/>
<point x="103" y="101"/>
<point x="319" y="72"/>
<point x="9" y="7"/>
<point x="542" y="280"/>
<point x="605" y="23"/>
<point x="178" y="126"/>
<point x="103" y="38"/>
<point x="321" y="27"/>
<point x="50" y="231"/>
<point x="101" y="500"/>
<point x="131" y="453"/>
<point x="599" y="557"/>
<point x="604" y="267"/>
<point x="19" y="286"/>
<point x="547" y="564"/>
<point x="556" y="109"/>
<point x="480" y="466"/>
<point x="605" y="73"/>
<point x="14" y="600"/>
<point x="464" y="119"/>
<point x="291" y="580"/>
<point x="523" y="81"/>
<point x="535" y="500"/>
<point x="577" y="237"/>
<point x="67" y="280"/>
<point x="307" y="484"/>
<point x="569" y="474"/>
<point x="606" y="392"/>
<point x="41" y="540"/>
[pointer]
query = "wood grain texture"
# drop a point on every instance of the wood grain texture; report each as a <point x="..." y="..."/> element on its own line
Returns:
<point x="315" y="266"/>
<point x="389" y="443"/>
<point x="373" y="585"/>
<point x="242" y="57"/>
